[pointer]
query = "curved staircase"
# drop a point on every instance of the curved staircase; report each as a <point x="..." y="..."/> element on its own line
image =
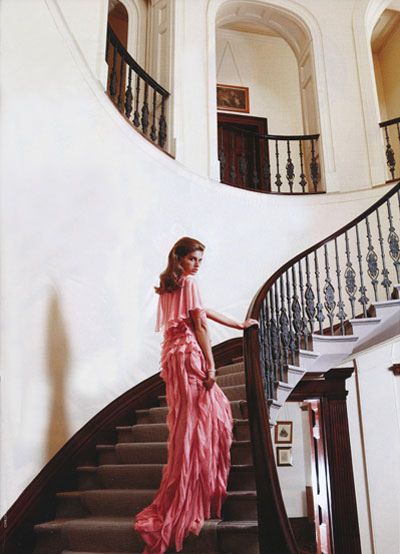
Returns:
<point x="98" y="516"/>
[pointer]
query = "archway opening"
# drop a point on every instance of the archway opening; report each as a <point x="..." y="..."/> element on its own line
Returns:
<point x="268" y="121"/>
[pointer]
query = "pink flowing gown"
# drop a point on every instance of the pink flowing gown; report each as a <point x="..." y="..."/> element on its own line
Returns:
<point x="194" y="481"/>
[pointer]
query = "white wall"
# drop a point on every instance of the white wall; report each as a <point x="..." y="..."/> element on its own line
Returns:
<point x="267" y="65"/>
<point x="89" y="212"/>
<point x="374" y="418"/>
<point x="294" y="479"/>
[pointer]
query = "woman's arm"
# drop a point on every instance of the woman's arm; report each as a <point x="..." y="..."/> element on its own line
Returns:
<point x="203" y="338"/>
<point x="221" y="318"/>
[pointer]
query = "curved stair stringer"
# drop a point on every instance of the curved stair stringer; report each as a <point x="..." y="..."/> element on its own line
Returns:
<point x="56" y="487"/>
<point x="270" y="381"/>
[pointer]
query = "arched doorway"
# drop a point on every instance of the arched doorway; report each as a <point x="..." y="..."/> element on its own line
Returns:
<point x="266" y="54"/>
<point x="385" y="46"/>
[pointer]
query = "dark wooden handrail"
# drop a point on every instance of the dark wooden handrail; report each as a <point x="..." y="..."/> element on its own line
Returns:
<point x="134" y="65"/>
<point x="267" y="162"/>
<point x="275" y="533"/>
<point x="137" y="96"/>
<point x="389" y="122"/>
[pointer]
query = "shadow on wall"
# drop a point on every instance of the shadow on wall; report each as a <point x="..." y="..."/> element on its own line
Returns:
<point x="58" y="358"/>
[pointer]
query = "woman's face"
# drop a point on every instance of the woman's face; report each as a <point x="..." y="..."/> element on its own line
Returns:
<point x="191" y="262"/>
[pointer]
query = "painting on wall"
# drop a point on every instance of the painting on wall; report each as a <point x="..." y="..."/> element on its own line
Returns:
<point x="284" y="456"/>
<point x="284" y="432"/>
<point x="231" y="98"/>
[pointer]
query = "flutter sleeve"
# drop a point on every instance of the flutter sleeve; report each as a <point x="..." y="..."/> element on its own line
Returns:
<point x="176" y="306"/>
<point x="191" y="300"/>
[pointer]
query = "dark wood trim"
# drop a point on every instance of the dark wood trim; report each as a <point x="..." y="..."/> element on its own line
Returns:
<point x="389" y="122"/>
<point x="330" y="390"/>
<point x="36" y="504"/>
<point x="395" y="368"/>
<point x="275" y="534"/>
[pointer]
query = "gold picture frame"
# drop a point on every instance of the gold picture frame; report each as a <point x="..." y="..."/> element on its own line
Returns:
<point x="231" y="98"/>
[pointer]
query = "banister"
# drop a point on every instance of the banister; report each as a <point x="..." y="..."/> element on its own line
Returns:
<point x="275" y="533"/>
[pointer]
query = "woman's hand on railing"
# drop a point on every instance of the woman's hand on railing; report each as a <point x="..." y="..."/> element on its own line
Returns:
<point x="249" y="323"/>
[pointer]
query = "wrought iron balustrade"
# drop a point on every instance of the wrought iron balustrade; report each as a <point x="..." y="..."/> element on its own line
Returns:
<point x="391" y="133"/>
<point x="273" y="163"/>
<point x="317" y="292"/>
<point x="135" y="93"/>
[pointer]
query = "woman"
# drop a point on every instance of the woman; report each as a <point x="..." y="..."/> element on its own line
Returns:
<point x="199" y="420"/>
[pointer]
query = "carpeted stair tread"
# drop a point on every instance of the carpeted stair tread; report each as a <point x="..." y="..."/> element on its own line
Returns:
<point x="158" y="432"/>
<point x="236" y="367"/>
<point x="242" y="526"/>
<point x="158" y="414"/>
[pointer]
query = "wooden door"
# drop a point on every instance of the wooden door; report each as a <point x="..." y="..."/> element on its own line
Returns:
<point x="243" y="156"/>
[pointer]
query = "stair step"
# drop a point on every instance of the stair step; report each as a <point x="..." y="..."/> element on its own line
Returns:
<point x="148" y="476"/>
<point x="102" y="534"/>
<point x="128" y="502"/>
<point x="230" y="368"/>
<point x="158" y="414"/>
<point x="238" y="537"/>
<point x="158" y="432"/>
<point x="157" y="453"/>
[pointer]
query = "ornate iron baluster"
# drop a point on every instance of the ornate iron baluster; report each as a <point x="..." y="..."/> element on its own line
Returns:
<point x="390" y="158"/>
<point x="310" y="298"/>
<point x="232" y="172"/>
<point x="314" y="168"/>
<point x="162" y="125"/>
<point x="363" y="289"/>
<point x="262" y="342"/>
<point x="136" y="115"/>
<point x="340" y="313"/>
<point x="305" y="330"/>
<point x="120" y="101"/>
<point x="279" y="376"/>
<point x="302" y="181"/>
<point x="243" y="163"/>
<point x="274" y="337"/>
<point x="393" y="240"/>
<point x="270" y="369"/>
<point x="129" y="95"/>
<point x="350" y="278"/>
<point x="292" y="341"/>
<point x="320" y="307"/>
<point x="386" y="282"/>
<point x="289" y="167"/>
<point x="296" y="311"/>
<point x="145" y="109"/>
<point x="283" y="324"/>
<point x="329" y="291"/>
<point x="267" y="167"/>
<point x="372" y="261"/>
<point x="113" y="76"/>
<point x="254" y="175"/>
<point x="278" y="179"/>
<point x="153" y="130"/>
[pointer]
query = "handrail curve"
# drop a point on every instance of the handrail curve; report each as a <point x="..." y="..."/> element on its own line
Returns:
<point x="275" y="533"/>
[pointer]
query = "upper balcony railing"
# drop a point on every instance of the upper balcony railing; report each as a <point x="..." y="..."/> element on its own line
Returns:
<point x="135" y="93"/>
<point x="283" y="164"/>
<point x="391" y="131"/>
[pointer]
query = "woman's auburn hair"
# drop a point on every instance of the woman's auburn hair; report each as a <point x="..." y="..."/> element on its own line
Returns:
<point x="171" y="276"/>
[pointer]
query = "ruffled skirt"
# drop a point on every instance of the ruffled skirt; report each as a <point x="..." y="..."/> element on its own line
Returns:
<point x="194" y="481"/>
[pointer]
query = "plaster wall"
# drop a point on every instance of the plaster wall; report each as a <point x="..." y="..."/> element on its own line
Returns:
<point x="268" y="66"/>
<point x="374" y="417"/>
<point x="89" y="212"/>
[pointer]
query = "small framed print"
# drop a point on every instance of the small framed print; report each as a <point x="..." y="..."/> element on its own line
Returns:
<point x="284" y="432"/>
<point x="284" y="456"/>
<point x="231" y="98"/>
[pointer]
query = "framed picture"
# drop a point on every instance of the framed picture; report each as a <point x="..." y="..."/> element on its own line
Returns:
<point x="233" y="99"/>
<point x="284" y="432"/>
<point x="284" y="456"/>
